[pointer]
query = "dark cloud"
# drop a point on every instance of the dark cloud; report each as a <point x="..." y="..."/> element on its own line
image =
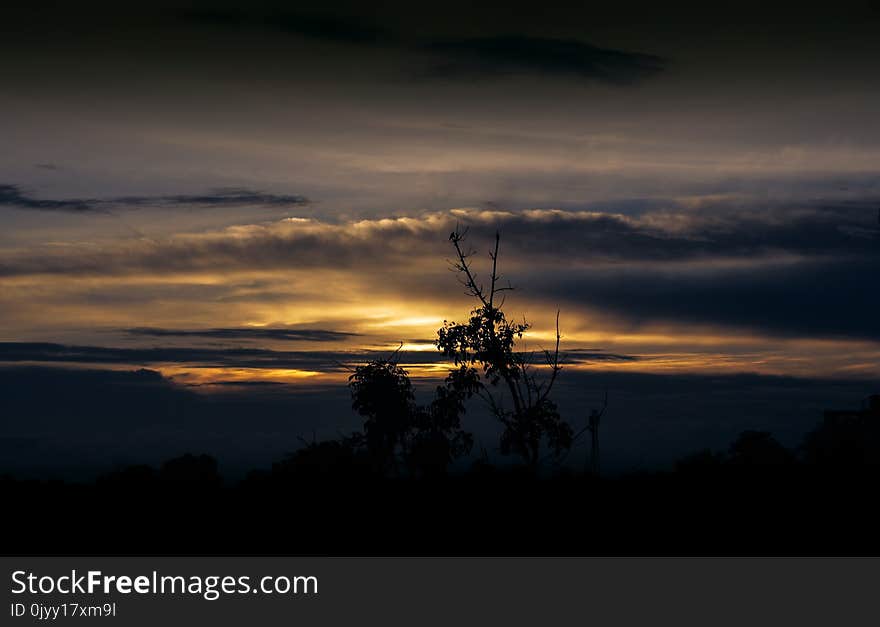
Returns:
<point x="77" y="422"/>
<point x="220" y="197"/>
<point x="301" y="335"/>
<point x="587" y="355"/>
<point x="470" y="57"/>
<point x="246" y="384"/>
<point x="206" y="357"/>
<point x="324" y="361"/>
<point x="682" y="235"/>
<point x="15" y="196"/>
<point x="46" y="397"/>
<point x="832" y="299"/>
<point x="519" y="54"/>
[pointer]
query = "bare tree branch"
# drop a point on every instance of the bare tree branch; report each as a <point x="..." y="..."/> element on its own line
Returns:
<point x="456" y="237"/>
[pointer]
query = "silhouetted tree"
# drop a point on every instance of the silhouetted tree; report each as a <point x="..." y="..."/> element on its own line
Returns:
<point x="844" y="443"/>
<point x="759" y="448"/>
<point x="751" y="449"/>
<point x="487" y="342"/>
<point x="139" y="475"/>
<point x="191" y="469"/>
<point x="342" y="458"/>
<point x="700" y="462"/>
<point x="382" y="393"/>
<point x="399" y="433"/>
<point x="437" y="438"/>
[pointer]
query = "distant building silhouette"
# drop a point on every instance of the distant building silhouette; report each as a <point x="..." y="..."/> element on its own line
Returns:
<point x="870" y="409"/>
<point x="847" y="439"/>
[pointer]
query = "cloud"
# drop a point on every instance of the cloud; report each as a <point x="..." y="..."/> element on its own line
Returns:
<point x="299" y="335"/>
<point x="75" y="422"/>
<point x="470" y="57"/>
<point x="255" y="358"/>
<point x="519" y="54"/>
<point x="220" y="197"/>
<point x="15" y="196"/>
<point x="205" y="357"/>
<point x="42" y="400"/>
<point x="788" y="272"/>
<point x="534" y="238"/>
<point x="819" y="299"/>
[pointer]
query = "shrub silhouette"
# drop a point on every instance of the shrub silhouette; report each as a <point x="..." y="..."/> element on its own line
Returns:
<point x="844" y="443"/>
<point x="189" y="469"/>
<point x="136" y="475"/>
<point x="701" y="462"/>
<point x="759" y="448"/>
<point x="398" y="433"/>
<point x="342" y="458"/>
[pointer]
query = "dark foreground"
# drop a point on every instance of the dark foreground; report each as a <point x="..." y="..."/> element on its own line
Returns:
<point x="749" y="511"/>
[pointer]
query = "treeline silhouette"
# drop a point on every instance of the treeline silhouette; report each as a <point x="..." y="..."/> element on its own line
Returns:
<point x="390" y="488"/>
<point x="757" y="497"/>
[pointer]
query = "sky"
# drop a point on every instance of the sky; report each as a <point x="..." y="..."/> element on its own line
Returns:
<point x="259" y="192"/>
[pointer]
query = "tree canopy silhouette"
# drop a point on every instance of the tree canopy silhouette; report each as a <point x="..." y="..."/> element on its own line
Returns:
<point x="846" y="443"/>
<point x="759" y="448"/>
<point x="487" y="343"/>
<point x="400" y="434"/>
